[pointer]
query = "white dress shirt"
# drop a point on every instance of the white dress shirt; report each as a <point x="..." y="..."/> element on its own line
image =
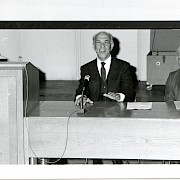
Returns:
<point x="107" y="67"/>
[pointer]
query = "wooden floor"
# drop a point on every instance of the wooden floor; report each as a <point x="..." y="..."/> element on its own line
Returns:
<point x="53" y="90"/>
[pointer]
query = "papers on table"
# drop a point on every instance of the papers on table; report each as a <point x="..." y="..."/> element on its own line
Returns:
<point x="177" y="104"/>
<point x="139" y="105"/>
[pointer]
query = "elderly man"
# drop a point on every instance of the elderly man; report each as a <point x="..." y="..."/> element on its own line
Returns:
<point x="109" y="78"/>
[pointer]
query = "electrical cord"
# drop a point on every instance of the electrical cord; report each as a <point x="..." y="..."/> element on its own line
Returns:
<point x="67" y="128"/>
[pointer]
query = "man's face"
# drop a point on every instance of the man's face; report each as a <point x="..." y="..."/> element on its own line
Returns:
<point x="103" y="46"/>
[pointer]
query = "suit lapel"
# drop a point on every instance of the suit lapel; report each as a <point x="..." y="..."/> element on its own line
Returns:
<point x="113" y="71"/>
<point x="178" y="84"/>
<point x="94" y="70"/>
<point x="95" y="78"/>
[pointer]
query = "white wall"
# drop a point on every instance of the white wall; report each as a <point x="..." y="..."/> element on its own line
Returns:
<point x="10" y="44"/>
<point x="52" y="51"/>
<point x="143" y="48"/>
<point x="59" y="53"/>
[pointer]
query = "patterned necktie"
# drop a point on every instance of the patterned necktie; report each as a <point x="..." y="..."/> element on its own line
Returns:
<point x="103" y="72"/>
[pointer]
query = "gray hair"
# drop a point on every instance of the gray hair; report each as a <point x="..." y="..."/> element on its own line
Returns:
<point x="103" y="32"/>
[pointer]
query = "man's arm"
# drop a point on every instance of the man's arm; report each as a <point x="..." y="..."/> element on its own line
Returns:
<point x="78" y="95"/>
<point x="121" y="86"/>
<point x="169" y="95"/>
<point x="127" y="84"/>
<point x="119" y="97"/>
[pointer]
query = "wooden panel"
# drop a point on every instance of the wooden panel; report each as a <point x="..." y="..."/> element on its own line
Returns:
<point x="30" y="86"/>
<point x="90" y="137"/>
<point x="8" y="121"/>
<point x="164" y="39"/>
<point x="159" y="67"/>
<point x="14" y="113"/>
<point x="12" y="98"/>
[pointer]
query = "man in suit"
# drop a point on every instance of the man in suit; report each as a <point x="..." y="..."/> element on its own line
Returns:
<point x="109" y="78"/>
<point x="172" y="87"/>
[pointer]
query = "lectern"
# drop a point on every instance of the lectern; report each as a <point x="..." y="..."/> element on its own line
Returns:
<point x="19" y="94"/>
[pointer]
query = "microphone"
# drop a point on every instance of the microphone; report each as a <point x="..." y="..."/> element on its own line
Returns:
<point x="86" y="82"/>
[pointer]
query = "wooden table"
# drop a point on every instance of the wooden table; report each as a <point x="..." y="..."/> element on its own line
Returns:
<point x="106" y="130"/>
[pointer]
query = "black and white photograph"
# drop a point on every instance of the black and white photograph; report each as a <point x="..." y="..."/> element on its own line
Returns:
<point x="90" y="89"/>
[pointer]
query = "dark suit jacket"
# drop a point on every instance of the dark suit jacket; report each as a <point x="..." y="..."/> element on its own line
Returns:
<point x="172" y="88"/>
<point x="119" y="79"/>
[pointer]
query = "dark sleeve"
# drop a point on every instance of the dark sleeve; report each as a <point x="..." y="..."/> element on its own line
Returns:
<point x="169" y="94"/>
<point x="127" y="84"/>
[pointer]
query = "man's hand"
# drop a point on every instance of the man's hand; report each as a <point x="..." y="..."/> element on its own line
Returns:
<point x="85" y="100"/>
<point x="113" y="96"/>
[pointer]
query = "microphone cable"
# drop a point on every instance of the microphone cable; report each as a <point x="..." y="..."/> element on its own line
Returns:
<point x="67" y="128"/>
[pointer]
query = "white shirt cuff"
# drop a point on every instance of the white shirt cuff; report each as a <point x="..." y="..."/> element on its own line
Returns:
<point x="78" y="96"/>
<point x="122" y="97"/>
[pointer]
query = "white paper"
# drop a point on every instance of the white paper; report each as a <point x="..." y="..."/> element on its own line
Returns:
<point x="139" y="105"/>
<point x="177" y="104"/>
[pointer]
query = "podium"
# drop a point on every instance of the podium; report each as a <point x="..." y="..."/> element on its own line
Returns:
<point x="19" y="94"/>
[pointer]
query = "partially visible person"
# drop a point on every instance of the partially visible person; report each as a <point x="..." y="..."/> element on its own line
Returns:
<point x="109" y="78"/>
<point x="172" y="87"/>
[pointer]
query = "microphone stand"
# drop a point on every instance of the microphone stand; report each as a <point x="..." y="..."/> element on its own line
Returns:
<point x="82" y="110"/>
<point x="86" y="80"/>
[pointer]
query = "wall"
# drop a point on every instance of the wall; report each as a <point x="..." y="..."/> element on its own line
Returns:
<point x="52" y="51"/>
<point x="10" y="44"/>
<point x="59" y="53"/>
<point x="143" y="49"/>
